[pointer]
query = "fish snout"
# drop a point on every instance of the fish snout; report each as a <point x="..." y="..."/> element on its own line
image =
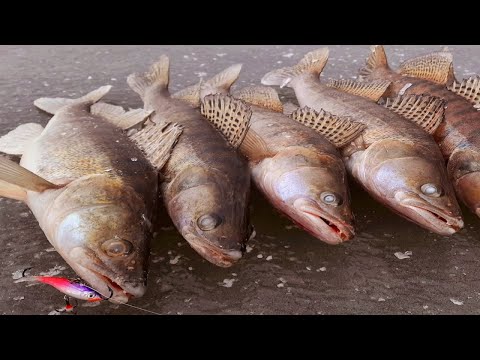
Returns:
<point x="322" y="224"/>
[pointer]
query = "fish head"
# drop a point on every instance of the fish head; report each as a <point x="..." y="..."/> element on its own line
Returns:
<point x="413" y="181"/>
<point x="211" y="212"/>
<point x="464" y="170"/>
<point x="102" y="231"/>
<point x="312" y="190"/>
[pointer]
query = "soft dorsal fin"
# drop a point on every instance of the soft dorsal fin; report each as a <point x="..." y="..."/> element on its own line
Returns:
<point x="228" y="115"/>
<point x="14" y="179"/>
<point x="52" y="105"/>
<point x="158" y="141"/>
<point x="262" y="96"/>
<point x="190" y="94"/>
<point x="436" y="67"/>
<point x="376" y="60"/>
<point x="158" y="75"/>
<point x="17" y="140"/>
<point x="426" y="111"/>
<point x="372" y="90"/>
<point x="119" y="117"/>
<point x="337" y="129"/>
<point x="469" y="89"/>
<point x="312" y="63"/>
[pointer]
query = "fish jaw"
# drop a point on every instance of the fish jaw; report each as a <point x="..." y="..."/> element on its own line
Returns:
<point x="427" y="215"/>
<point x="321" y="224"/>
<point x="217" y="256"/>
<point x="468" y="190"/>
<point x="106" y="283"/>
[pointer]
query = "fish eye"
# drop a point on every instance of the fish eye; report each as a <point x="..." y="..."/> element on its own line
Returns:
<point x="91" y="295"/>
<point x="117" y="247"/>
<point x="331" y="198"/>
<point x="208" y="221"/>
<point x="431" y="190"/>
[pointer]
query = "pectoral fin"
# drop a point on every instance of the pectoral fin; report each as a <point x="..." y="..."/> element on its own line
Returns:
<point x="16" y="180"/>
<point x="426" y="111"/>
<point x="16" y="141"/>
<point x="337" y="129"/>
<point x="372" y="90"/>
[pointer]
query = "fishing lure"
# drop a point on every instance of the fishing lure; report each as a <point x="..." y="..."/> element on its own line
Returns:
<point x="71" y="288"/>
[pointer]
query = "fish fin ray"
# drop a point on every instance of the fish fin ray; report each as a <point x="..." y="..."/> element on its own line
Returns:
<point x="254" y="147"/>
<point x="17" y="140"/>
<point x="14" y="174"/>
<point x="468" y="89"/>
<point x="312" y="63"/>
<point x="338" y="130"/>
<point x="12" y="191"/>
<point x="157" y="75"/>
<point x="228" y="115"/>
<point x="158" y="142"/>
<point x="376" y="60"/>
<point x="262" y="96"/>
<point x="436" y="67"/>
<point x="424" y="110"/>
<point x="372" y="90"/>
<point x="119" y="117"/>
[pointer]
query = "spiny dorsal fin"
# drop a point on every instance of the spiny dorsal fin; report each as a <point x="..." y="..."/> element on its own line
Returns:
<point x="289" y="108"/>
<point x="469" y="89"/>
<point x="426" y="111"/>
<point x="158" y="141"/>
<point x="52" y="105"/>
<point x="436" y="67"/>
<point x="14" y="174"/>
<point x="158" y="75"/>
<point x="190" y="94"/>
<point x="372" y="90"/>
<point x="17" y="140"/>
<point x="119" y="117"/>
<point x="221" y="83"/>
<point x="337" y="129"/>
<point x="260" y="96"/>
<point x="312" y="63"/>
<point x="228" y="115"/>
<point x="376" y="60"/>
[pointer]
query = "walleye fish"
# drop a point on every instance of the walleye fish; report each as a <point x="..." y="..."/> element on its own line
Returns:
<point x="91" y="189"/>
<point x="459" y="134"/>
<point x="394" y="160"/>
<point x="299" y="171"/>
<point x="205" y="184"/>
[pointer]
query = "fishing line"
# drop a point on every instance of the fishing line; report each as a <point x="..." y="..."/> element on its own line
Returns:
<point x="135" y="307"/>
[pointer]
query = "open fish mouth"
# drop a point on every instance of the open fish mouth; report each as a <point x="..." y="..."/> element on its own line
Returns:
<point x="106" y="284"/>
<point x="212" y="253"/>
<point x="322" y="225"/>
<point x="431" y="217"/>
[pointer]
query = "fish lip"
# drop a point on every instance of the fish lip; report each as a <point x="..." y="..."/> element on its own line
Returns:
<point x="438" y="221"/>
<point x="219" y="257"/>
<point x="102" y="281"/>
<point x="313" y="212"/>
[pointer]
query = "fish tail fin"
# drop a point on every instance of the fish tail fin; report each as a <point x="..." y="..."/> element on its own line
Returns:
<point x="221" y="83"/>
<point x="52" y="105"/>
<point x="157" y="76"/>
<point x="312" y="63"/>
<point x="218" y="84"/>
<point x="377" y="60"/>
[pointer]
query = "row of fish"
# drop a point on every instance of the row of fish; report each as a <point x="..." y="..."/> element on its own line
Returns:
<point x="96" y="174"/>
